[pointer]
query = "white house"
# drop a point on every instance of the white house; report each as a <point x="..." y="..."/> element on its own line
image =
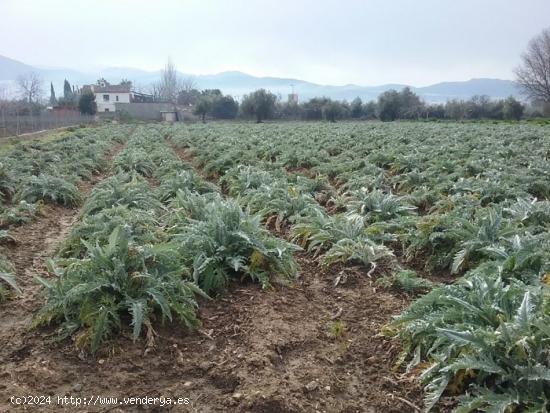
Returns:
<point x="106" y="95"/>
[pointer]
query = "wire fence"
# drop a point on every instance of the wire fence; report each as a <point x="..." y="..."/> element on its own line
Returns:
<point x="15" y="125"/>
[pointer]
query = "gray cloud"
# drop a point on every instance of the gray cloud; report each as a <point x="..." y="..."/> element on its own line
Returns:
<point x="348" y="41"/>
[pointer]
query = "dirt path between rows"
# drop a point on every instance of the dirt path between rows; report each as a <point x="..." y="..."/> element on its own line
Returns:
<point x="35" y="242"/>
<point x="23" y="351"/>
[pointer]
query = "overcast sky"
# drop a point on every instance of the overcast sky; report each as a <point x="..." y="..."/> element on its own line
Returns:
<point x="367" y="42"/>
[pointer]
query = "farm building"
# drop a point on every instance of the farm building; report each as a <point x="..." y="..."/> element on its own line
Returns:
<point x="169" y="115"/>
<point x="120" y="101"/>
<point x="106" y="95"/>
<point x="150" y="111"/>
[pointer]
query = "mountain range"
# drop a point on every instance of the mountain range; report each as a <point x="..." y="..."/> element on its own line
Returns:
<point x="238" y="83"/>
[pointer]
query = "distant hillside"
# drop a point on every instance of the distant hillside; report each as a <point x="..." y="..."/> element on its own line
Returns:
<point x="10" y="69"/>
<point x="238" y="83"/>
<point x="496" y="88"/>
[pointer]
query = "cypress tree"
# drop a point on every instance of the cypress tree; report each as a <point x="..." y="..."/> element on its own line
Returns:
<point x="53" y="100"/>
<point x="67" y="91"/>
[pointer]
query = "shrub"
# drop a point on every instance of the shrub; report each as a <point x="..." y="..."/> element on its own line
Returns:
<point x="135" y="160"/>
<point x="242" y="179"/>
<point x="7" y="185"/>
<point x="225" y="242"/>
<point x="97" y="293"/>
<point x="183" y="180"/>
<point x="378" y="206"/>
<point x="189" y="206"/>
<point x="50" y="189"/>
<point x="485" y="336"/>
<point x="407" y="281"/>
<point x="364" y="251"/>
<point x="20" y="213"/>
<point x="128" y="190"/>
<point x="341" y="238"/>
<point x="141" y="227"/>
<point x="270" y="196"/>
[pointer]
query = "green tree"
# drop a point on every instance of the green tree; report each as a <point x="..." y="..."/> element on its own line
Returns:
<point x="410" y="105"/>
<point x="87" y="104"/>
<point x="479" y="107"/>
<point x="455" y="109"/>
<point x="332" y="110"/>
<point x="53" y="99"/>
<point x="356" y="110"/>
<point x="224" y="107"/>
<point x="512" y="109"/>
<point x="370" y="110"/>
<point x="260" y="104"/>
<point x="313" y="109"/>
<point x="291" y="110"/>
<point x="203" y="106"/>
<point x="205" y="102"/>
<point x="389" y="105"/>
<point x="435" y="111"/>
<point x="67" y="91"/>
<point x="189" y="97"/>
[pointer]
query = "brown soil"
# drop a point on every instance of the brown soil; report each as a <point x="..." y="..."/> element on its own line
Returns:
<point x="23" y="352"/>
<point x="307" y="172"/>
<point x="307" y="346"/>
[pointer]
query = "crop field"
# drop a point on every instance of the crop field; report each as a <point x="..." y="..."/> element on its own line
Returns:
<point x="280" y="267"/>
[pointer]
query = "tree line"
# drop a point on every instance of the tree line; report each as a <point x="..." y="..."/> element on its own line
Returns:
<point x="263" y="105"/>
<point x="391" y="105"/>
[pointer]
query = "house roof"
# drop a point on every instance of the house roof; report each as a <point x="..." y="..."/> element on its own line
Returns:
<point x="111" y="89"/>
<point x="142" y="94"/>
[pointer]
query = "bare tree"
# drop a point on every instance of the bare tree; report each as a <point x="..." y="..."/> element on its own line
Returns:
<point x="30" y="87"/>
<point x="187" y="85"/>
<point x="154" y="90"/>
<point x="188" y="94"/>
<point x="533" y="75"/>
<point x="170" y="83"/>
